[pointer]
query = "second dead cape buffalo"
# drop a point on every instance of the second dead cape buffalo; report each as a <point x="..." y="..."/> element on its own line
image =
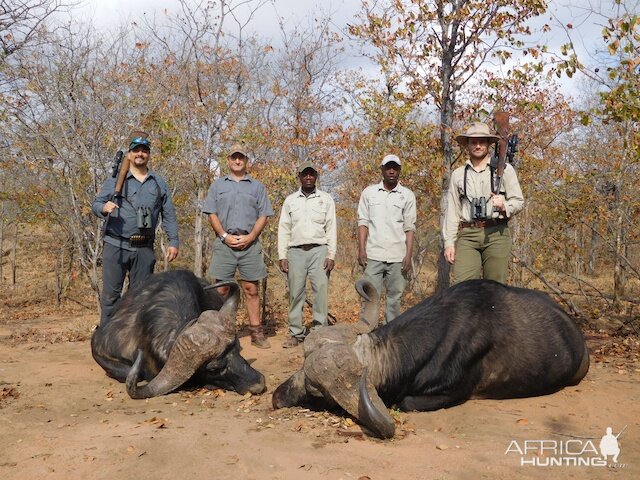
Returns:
<point x="477" y="339"/>
<point x="172" y="329"/>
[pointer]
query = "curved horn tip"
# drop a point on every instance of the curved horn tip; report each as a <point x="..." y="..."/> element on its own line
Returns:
<point x="364" y="287"/>
<point x="380" y="423"/>
<point x="132" y="377"/>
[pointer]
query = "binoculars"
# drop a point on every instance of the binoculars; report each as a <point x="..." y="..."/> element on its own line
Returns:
<point x="143" y="216"/>
<point x="479" y="208"/>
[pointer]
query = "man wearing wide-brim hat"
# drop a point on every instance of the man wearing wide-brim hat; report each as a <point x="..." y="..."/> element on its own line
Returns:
<point x="475" y="230"/>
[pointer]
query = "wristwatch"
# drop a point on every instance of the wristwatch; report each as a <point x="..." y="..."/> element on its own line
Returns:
<point x="223" y="236"/>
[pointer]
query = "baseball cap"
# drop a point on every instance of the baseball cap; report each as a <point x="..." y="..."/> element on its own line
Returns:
<point x="137" y="138"/>
<point x="389" y="159"/>
<point x="304" y="165"/>
<point x="238" y="148"/>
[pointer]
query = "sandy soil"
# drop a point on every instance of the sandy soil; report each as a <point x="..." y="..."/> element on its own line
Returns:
<point x="61" y="417"/>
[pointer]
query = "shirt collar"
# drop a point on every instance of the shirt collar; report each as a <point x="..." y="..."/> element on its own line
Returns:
<point x="312" y="194"/>
<point x="246" y="178"/>
<point x="395" y="189"/>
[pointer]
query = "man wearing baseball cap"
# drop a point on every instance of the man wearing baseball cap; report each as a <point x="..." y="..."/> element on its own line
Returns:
<point x="132" y="217"/>
<point x="307" y="249"/>
<point x="475" y="230"/>
<point x="238" y="207"/>
<point x="386" y="226"/>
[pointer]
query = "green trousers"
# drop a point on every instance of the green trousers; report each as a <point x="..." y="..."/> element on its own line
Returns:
<point x="303" y="264"/>
<point x="391" y="276"/>
<point x="482" y="253"/>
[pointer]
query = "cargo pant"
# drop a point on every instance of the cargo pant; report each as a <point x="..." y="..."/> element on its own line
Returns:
<point x="116" y="262"/>
<point x="390" y="275"/>
<point x="482" y="253"/>
<point x="303" y="264"/>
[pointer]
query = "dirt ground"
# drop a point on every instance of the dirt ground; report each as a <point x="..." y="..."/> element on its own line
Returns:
<point x="61" y="417"/>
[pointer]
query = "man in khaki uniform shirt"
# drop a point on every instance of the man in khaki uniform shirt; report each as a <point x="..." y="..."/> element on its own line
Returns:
<point x="307" y="248"/>
<point x="477" y="242"/>
<point x="386" y="225"/>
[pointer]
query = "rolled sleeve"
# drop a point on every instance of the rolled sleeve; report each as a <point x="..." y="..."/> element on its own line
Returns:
<point x="332" y="234"/>
<point x="451" y="215"/>
<point x="410" y="214"/>
<point x="364" y="218"/>
<point x="284" y="231"/>
<point x="514" y="202"/>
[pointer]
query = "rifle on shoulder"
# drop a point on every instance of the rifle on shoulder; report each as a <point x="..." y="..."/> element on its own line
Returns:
<point x="506" y="148"/>
<point x="119" y="169"/>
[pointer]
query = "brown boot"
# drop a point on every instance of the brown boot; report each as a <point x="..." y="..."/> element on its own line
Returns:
<point x="257" y="337"/>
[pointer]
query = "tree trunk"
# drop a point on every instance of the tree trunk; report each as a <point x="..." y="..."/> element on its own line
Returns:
<point x="198" y="233"/>
<point x="1" y="245"/>
<point x="446" y="122"/>
<point x="619" y="278"/>
<point x="14" y="254"/>
<point x="593" y="247"/>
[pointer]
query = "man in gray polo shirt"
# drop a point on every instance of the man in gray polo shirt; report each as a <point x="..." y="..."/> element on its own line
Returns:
<point x="307" y="248"/>
<point x="127" y="246"/>
<point x="238" y="208"/>
<point x="386" y="225"/>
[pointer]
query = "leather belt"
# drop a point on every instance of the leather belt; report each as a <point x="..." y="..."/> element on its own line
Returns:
<point x="491" y="222"/>
<point x="307" y="246"/>
<point x="237" y="232"/>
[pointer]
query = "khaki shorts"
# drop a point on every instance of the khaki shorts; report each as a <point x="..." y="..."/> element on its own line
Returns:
<point x="249" y="262"/>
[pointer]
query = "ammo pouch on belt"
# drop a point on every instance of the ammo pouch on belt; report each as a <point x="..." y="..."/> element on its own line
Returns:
<point x="144" y="238"/>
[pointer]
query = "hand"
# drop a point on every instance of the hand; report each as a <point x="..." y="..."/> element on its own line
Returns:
<point x="172" y="253"/>
<point x="498" y="202"/>
<point x="450" y="254"/>
<point x="362" y="258"/>
<point x="329" y="264"/>
<point x="109" y="207"/>
<point x="406" y="264"/>
<point x="243" y="241"/>
<point x="284" y="265"/>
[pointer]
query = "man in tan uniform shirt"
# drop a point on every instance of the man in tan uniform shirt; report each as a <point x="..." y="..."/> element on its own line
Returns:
<point x="307" y="242"/>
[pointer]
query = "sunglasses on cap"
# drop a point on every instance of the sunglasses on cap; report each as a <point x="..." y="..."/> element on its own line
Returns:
<point x="139" y="141"/>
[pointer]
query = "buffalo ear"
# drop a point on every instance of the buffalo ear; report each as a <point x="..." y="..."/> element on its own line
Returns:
<point x="336" y="372"/>
<point x="291" y="393"/>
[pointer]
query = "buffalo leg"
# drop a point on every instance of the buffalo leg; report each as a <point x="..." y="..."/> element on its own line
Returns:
<point x="426" y="403"/>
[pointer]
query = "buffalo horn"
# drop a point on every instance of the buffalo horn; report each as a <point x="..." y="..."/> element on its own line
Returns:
<point x="371" y="305"/>
<point x="379" y="422"/>
<point x="199" y="342"/>
<point x="338" y="374"/>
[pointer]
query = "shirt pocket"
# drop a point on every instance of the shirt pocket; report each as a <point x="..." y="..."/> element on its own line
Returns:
<point x="295" y="212"/>
<point x="376" y="210"/>
<point x="397" y="209"/>
<point x="318" y="214"/>
<point x="249" y="202"/>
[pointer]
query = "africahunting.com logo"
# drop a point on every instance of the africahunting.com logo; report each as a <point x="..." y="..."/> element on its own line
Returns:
<point x="575" y="452"/>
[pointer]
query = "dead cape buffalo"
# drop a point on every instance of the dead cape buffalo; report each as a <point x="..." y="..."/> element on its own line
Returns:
<point x="478" y="339"/>
<point x="172" y="329"/>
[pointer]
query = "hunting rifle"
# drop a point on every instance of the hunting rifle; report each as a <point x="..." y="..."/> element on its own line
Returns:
<point x="119" y="169"/>
<point x="506" y="148"/>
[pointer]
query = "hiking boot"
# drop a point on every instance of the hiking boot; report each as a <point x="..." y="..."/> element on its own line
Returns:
<point x="291" y="342"/>
<point x="258" y="338"/>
